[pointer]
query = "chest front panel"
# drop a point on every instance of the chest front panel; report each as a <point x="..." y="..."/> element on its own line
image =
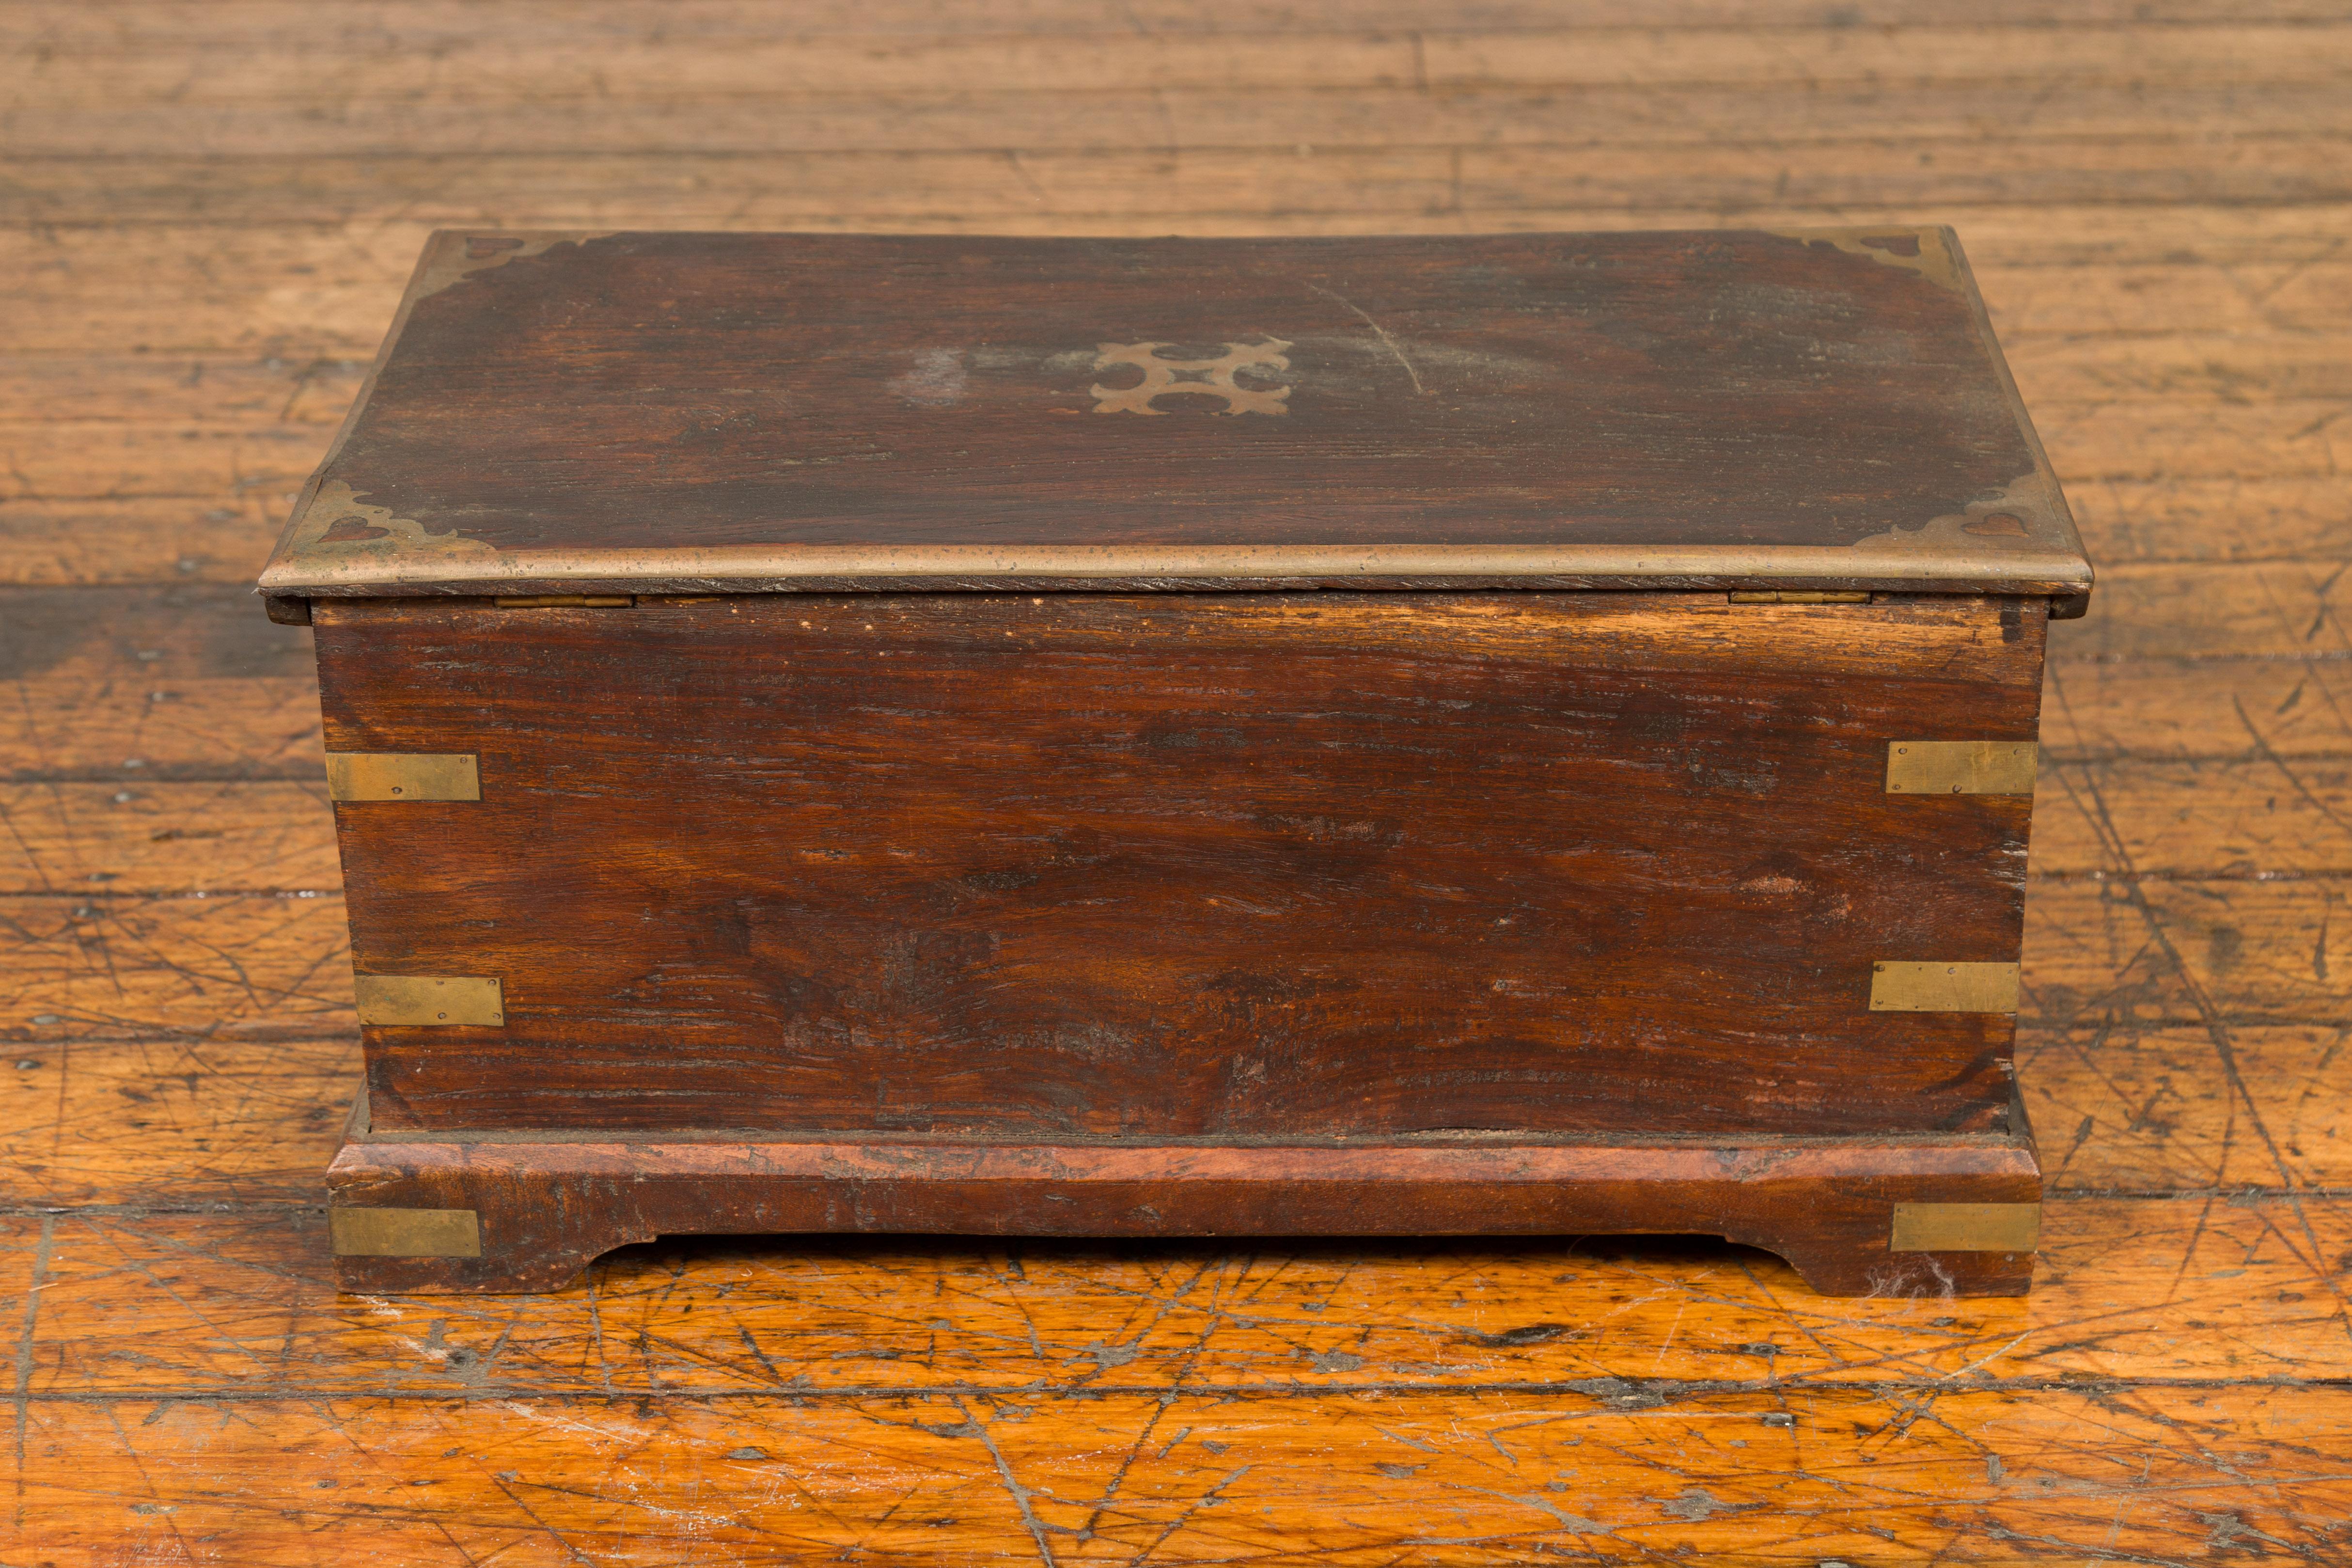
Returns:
<point x="1240" y="867"/>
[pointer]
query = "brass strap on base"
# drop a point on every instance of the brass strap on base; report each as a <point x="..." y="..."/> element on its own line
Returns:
<point x="1965" y="1227"/>
<point x="404" y="1233"/>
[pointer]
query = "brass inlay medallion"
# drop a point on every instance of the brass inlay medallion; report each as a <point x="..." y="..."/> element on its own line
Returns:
<point x="1213" y="376"/>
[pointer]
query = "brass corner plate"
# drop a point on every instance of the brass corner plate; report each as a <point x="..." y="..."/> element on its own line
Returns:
<point x="402" y="775"/>
<point x="431" y="1001"/>
<point x="1900" y="986"/>
<point x="1965" y="1227"/>
<point x="1961" y="767"/>
<point x="404" y="1233"/>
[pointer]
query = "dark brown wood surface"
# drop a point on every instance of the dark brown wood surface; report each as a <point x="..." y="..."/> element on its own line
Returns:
<point x="640" y="391"/>
<point x="1299" y="867"/>
<point x="208" y="214"/>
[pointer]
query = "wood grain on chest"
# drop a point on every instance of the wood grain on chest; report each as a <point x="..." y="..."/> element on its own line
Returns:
<point x="1290" y="867"/>
<point x="680" y="412"/>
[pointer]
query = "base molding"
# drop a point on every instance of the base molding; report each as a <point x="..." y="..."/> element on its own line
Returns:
<point x="485" y="1217"/>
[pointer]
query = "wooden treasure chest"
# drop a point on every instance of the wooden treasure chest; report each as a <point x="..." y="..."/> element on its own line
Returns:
<point x="1525" y="734"/>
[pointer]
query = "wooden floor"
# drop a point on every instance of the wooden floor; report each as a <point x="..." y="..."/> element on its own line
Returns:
<point x="206" y="212"/>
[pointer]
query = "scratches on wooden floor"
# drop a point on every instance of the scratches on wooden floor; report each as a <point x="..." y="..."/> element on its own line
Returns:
<point x="204" y="222"/>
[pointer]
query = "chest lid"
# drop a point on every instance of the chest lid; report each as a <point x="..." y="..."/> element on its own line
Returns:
<point x="690" y="412"/>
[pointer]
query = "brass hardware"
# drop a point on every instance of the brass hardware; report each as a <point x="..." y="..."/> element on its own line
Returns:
<point x="1900" y="987"/>
<point x="1212" y="376"/>
<point x="2026" y="567"/>
<point x="1798" y="596"/>
<point x="566" y="602"/>
<point x="401" y="776"/>
<point x="1929" y="252"/>
<point x="1960" y="767"/>
<point x="404" y="1233"/>
<point x="1966" y="1227"/>
<point x="431" y="1001"/>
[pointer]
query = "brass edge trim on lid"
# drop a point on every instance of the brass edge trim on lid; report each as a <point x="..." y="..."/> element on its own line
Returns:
<point x="2069" y="535"/>
<point x="436" y="269"/>
<point x="1965" y="1227"/>
<point x="1696" y="567"/>
<point x="1926" y="251"/>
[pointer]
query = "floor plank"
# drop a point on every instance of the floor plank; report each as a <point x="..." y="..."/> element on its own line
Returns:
<point x="170" y="838"/>
<point x="2207" y="709"/>
<point x="241" y="965"/>
<point x="187" y="682"/>
<point x="312" y="292"/>
<point x="2213" y="1106"/>
<point x="85" y="89"/>
<point x="2151" y="1473"/>
<point x="98" y="109"/>
<point x="424" y="25"/>
<point x="205" y="216"/>
<point x="192" y="1305"/>
<point x="197" y="1122"/>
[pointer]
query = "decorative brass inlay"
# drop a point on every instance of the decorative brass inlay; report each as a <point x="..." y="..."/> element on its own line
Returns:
<point x="336" y="525"/>
<point x="1213" y="376"/>
<point x="1904" y="987"/>
<point x="1921" y="250"/>
<point x="402" y="775"/>
<point x="404" y="1233"/>
<point x="431" y="1001"/>
<point x="1961" y="767"/>
<point x="1966" y="1227"/>
<point x="458" y="256"/>
<point x="2025" y="517"/>
<point x="1800" y="596"/>
<point x="2018" y="539"/>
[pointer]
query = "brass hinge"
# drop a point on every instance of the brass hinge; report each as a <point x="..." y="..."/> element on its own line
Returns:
<point x="1965" y="1227"/>
<point x="1961" y="767"/>
<point x="404" y="1232"/>
<point x="402" y="775"/>
<point x="1903" y="987"/>
<point x="1800" y="596"/>
<point x="431" y="1001"/>
<point x="566" y="601"/>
